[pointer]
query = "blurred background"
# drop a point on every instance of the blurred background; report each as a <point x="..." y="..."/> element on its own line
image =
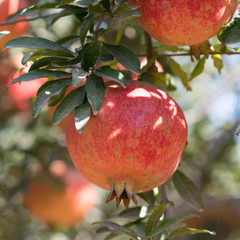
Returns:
<point x="34" y="163"/>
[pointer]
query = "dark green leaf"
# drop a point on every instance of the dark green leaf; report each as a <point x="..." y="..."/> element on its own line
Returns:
<point x="198" y="69"/>
<point x="106" y="57"/>
<point x="54" y="100"/>
<point x="188" y="231"/>
<point x="187" y="190"/>
<point x="111" y="74"/>
<point x="42" y="62"/>
<point x="119" y="228"/>
<point x="154" y="218"/>
<point x="125" y="16"/>
<point x="40" y="74"/>
<point x="95" y="92"/>
<point x="68" y="104"/>
<point x="135" y="212"/>
<point x="82" y="115"/>
<point x="46" y="91"/>
<point x="78" y="75"/>
<point x="80" y="3"/>
<point x="125" y="56"/>
<point x="46" y="53"/>
<point x="148" y="197"/>
<point x="91" y="55"/>
<point x="166" y="223"/>
<point x="230" y="34"/>
<point x="87" y="23"/>
<point x="34" y="42"/>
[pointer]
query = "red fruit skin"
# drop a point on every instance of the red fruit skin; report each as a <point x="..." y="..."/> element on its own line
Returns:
<point x="62" y="205"/>
<point x="135" y="141"/>
<point x="184" y="22"/>
<point x="8" y="7"/>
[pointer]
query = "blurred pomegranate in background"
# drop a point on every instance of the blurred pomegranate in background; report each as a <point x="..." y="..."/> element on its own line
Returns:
<point x="8" y="7"/>
<point x="61" y="201"/>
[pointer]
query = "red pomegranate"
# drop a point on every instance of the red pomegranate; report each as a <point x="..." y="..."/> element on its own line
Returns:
<point x="60" y="204"/>
<point x="8" y="7"/>
<point x="135" y="142"/>
<point x="184" y="22"/>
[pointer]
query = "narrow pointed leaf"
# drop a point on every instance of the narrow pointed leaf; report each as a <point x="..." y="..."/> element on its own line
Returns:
<point x="42" y="62"/>
<point x="190" y="231"/>
<point x="111" y="74"/>
<point x="135" y="212"/>
<point x="82" y="115"/>
<point x="54" y="100"/>
<point x="119" y="228"/>
<point x="95" y="92"/>
<point x="40" y="74"/>
<point x="46" y="91"/>
<point x="87" y="23"/>
<point x="34" y="42"/>
<point x="198" y="69"/>
<point x="177" y="70"/>
<point x="187" y="190"/>
<point x="154" y="219"/>
<point x="68" y="104"/>
<point x="166" y="223"/>
<point x="78" y="75"/>
<point x="125" y="56"/>
<point x="91" y="55"/>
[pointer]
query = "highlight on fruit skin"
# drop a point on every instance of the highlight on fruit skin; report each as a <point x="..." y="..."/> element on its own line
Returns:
<point x="182" y="23"/>
<point x="133" y="145"/>
<point x="61" y="200"/>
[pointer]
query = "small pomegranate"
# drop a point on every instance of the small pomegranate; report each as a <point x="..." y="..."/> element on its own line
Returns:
<point x="60" y="204"/>
<point x="133" y="145"/>
<point x="184" y="22"/>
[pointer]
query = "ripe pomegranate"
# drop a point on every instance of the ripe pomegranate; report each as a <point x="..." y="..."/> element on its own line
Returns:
<point x="133" y="145"/>
<point x="60" y="204"/>
<point x="8" y="7"/>
<point x="184" y="22"/>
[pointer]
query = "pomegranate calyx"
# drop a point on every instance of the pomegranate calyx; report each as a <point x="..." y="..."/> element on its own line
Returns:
<point x="124" y="195"/>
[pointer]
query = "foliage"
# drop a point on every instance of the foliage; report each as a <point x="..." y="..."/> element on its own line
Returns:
<point x="93" y="51"/>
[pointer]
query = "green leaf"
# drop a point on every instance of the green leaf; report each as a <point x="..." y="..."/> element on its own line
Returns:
<point x="39" y="74"/>
<point x="54" y="100"/>
<point x="125" y="56"/>
<point x="187" y="190"/>
<point x="87" y="23"/>
<point x="154" y="218"/>
<point x="80" y="3"/>
<point x="46" y="91"/>
<point x="95" y="92"/>
<point x="78" y="75"/>
<point x="148" y="197"/>
<point x="68" y="104"/>
<point x="188" y="231"/>
<point x="177" y="70"/>
<point x="166" y="223"/>
<point x="111" y="74"/>
<point x="119" y="228"/>
<point x="125" y="16"/>
<point x="218" y="62"/>
<point x="82" y="115"/>
<point x="135" y="212"/>
<point x="198" y="69"/>
<point x="230" y="34"/>
<point x="91" y="55"/>
<point x="42" y="62"/>
<point x="34" y="42"/>
<point x="32" y="56"/>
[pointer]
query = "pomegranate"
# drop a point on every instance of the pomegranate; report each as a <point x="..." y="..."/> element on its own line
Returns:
<point x="8" y="7"/>
<point x="133" y="145"/>
<point x="60" y="205"/>
<point x="184" y="22"/>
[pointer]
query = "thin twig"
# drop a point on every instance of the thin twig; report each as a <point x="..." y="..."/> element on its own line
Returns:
<point x="164" y="189"/>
